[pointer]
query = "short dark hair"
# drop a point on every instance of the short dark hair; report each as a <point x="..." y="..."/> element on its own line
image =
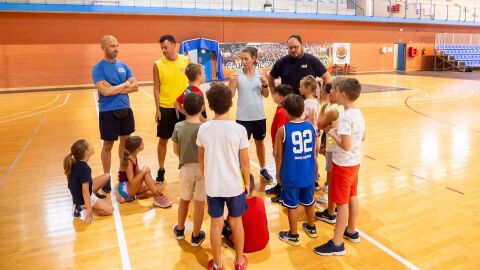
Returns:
<point x="294" y="105"/>
<point x="219" y="98"/>
<point x="167" y="37"/>
<point x="193" y="71"/>
<point x="297" y="37"/>
<point x="193" y="103"/>
<point x="327" y="87"/>
<point x="283" y="90"/>
<point x="351" y="87"/>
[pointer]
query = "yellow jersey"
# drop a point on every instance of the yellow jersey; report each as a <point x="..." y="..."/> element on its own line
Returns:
<point x="330" y="140"/>
<point x="173" y="80"/>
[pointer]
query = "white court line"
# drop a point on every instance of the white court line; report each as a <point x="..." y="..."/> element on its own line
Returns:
<point x="20" y="154"/>
<point x="148" y="94"/>
<point x="122" y="243"/>
<point x="33" y="114"/>
<point x="36" y="108"/>
<point x="371" y="240"/>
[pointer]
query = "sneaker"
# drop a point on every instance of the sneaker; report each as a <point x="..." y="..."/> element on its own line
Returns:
<point x="322" y="198"/>
<point x="79" y="212"/>
<point x="162" y="201"/>
<point x="310" y="231"/>
<point x="276" y="190"/>
<point x="352" y="237"/>
<point x="325" y="188"/>
<point x="107" y="187"/>
<point x="212" y="267"/>
<point x="329" y="249"/>
<point x="161" y="175"/>
<point x="101" y="196"/>
<point x="243" y="265"/>
<point x="198" y="240"/>
<point x="289" y="238"/>
<point x="179" y="234"/>
<point x="326" y="217"/>
<point x="277" y="199"/>
<point x="265" y="175"/>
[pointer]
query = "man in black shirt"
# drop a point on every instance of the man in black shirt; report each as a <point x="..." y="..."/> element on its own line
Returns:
<point x="296" y="65"/>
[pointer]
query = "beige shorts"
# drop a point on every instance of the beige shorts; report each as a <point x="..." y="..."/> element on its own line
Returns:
<point x="192" y="184"/>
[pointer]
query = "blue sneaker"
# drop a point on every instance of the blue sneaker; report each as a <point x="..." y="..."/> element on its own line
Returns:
<point x="198" y="240"/>
<point x="329" y="249"/>
<point x="265" y="175"/>
<point x="179" y="234"/>
<point x="107" y="188"/>
<point x="289" y="238"/>
<point x="310" y="231"/>
<point x="352" y="237"/>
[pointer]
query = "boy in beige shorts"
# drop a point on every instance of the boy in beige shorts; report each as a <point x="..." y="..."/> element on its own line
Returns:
<point x="192" y="185"/>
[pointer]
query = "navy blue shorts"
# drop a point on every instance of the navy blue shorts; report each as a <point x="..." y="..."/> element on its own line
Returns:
<point x="112" y="126"/>
<point x="256" y="128"/>
<point x="293" y="196"/>
<point x="236" y="205"/>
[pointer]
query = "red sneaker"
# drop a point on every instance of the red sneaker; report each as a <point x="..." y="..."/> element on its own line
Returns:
<point x="210" y="266"/>
<point x="243" y="265"/>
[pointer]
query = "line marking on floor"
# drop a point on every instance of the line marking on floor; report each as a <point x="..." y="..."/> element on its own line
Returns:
<point x="369" y="239"/>
<point x="31" y="110"/>
<point x="122" y="243"/>
<point x="20" y="154"/>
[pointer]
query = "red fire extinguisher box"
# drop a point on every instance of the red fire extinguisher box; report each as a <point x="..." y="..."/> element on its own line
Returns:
<point x="412" y="51"/>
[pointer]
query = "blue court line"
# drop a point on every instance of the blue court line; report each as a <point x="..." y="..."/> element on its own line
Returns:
<point x="217" y="13"/>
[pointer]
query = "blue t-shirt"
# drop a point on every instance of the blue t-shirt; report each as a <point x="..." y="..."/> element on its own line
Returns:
<point x="81" y="173"/>
<point x="114" y="73"/>
<point x="298" y="165"/>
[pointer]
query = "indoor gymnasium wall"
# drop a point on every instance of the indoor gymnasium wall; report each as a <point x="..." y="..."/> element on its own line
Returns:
<point x="60" y="48"/>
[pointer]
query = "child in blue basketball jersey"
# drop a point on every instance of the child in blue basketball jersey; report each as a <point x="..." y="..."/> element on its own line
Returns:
<point x="295" y="160"/>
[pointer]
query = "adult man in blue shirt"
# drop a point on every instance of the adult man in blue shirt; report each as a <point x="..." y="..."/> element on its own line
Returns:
<point x="114" y="81"/>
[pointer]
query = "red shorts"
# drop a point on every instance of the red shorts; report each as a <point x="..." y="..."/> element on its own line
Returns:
<point x="344" y="183"/>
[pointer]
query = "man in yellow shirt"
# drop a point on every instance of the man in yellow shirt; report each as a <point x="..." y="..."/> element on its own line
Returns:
<point x="169" y="82"/>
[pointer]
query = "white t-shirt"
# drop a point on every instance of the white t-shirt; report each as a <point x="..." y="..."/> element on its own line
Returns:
<point x="350" y="122"/>
<point x="222" y="141"/>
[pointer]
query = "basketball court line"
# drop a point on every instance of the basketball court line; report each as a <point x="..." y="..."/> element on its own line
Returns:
<point x="366" y="236"/>
<point x="36" y="108"/>
<point x="36" y="113"/>
<point x="20" y="154"/>
<point x="122" y="243"/>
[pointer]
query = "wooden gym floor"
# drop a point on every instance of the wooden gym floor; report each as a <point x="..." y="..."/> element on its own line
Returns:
<point x="419" y="187"/>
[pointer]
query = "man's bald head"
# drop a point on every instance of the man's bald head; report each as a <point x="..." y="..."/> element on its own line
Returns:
<point x="109" y="45"/>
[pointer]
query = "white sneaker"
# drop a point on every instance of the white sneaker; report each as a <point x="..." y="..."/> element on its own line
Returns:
<point x="325" y="188"/>
<point x="322" y="198"/>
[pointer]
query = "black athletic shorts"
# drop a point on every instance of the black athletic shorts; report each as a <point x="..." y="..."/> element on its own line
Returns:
<point x="256" y="128"/>
<point x="112" y="126"/>
<point x="182" y="117"/>
<point x="169" y="117"/>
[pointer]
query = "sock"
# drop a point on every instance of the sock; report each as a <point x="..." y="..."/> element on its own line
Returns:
<point x="216" y="267"/>
<point x="264" y="168"/>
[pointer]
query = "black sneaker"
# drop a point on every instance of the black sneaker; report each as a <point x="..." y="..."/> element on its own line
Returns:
<point x="179" y="234"/>
<point x="101" y="196"/>
<point x="289" y="238"/>
<point x="198" y="240"/>
<point x="310" y="231"/>
<point x="265" y="175"/>
<point x="107" y="188"/>
<point x="276" y="190"/>
<point x="277" y="199"/>
<point x="329" y="249"/>
<point x="352" y="237"/>
<point x="326" y="217"/>
<point x="161" y="175"/>
<point x="77" y="211"/>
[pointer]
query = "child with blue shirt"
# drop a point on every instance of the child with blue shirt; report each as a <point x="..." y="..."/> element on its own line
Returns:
<point x="295" y="160"/>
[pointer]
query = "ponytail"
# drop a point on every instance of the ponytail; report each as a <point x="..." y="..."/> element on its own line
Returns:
<point x="77" y="153"/>
<point x="124" y="161"/>
<point x="132" y="143"/>
<point x="67" y="165"/>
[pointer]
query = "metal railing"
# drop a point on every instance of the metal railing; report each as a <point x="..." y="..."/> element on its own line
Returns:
<point x="447" y="39"/>
<point x="406" y="9"/>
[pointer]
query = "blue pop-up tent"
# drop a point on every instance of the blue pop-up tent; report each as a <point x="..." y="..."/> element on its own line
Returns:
<point x="209" y="45"/>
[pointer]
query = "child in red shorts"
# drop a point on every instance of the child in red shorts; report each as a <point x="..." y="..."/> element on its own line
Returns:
<point x="348" y="137"/>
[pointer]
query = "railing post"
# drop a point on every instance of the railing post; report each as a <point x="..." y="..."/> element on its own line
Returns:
<point x="434" y="11"/>
<point x="337" y="7"/>
<point x="373" y="8"/>
<point x="447" y="12"/>
<point x="390" y="8"/>
<point x="460" y="15"/>
<point x="231" y="5"/>
<point x="355" y="6"/>
<point x="296" y="6"/>
<point x="273" y="5"/>
<point x="317" y="6"/>
<point x="248" y="6"/>
<point x="406" y="7"/>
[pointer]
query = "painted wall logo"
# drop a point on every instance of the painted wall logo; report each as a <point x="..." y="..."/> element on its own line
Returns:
<point x="268" y="54"/>
<point x="341" y="53"/>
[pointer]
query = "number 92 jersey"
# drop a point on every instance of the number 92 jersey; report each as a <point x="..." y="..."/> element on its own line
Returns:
<point x="298" y="164"/>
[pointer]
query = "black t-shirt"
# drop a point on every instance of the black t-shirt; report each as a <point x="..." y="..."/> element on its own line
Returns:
<point x="81" y="173"/>
<point x="293" y="70"/>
